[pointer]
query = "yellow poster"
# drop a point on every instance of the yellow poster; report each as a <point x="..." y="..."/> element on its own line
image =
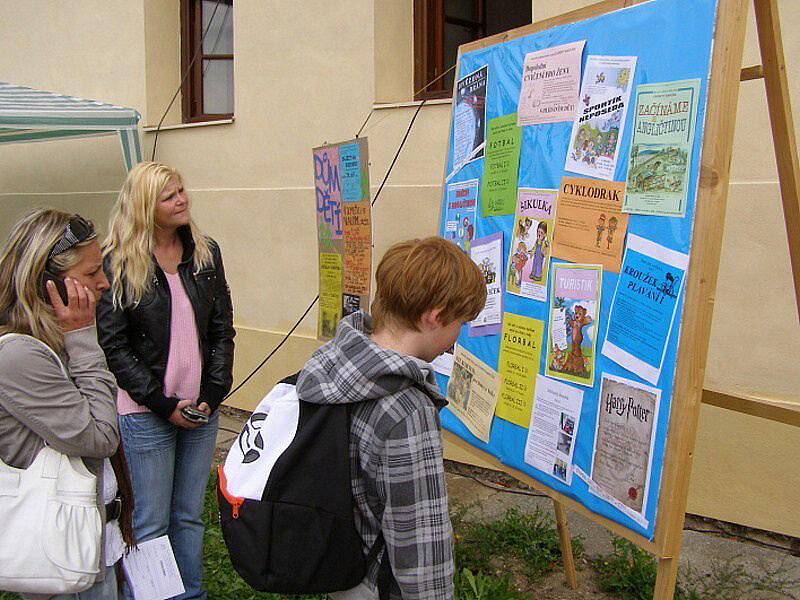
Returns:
<point x="330" y="294"/>
<point x="518" y="365"/>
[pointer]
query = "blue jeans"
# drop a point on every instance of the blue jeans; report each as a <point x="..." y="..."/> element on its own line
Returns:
<point x="169" y="469"/>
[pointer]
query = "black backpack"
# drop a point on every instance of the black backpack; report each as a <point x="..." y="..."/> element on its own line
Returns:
<point x="286" y="502"/>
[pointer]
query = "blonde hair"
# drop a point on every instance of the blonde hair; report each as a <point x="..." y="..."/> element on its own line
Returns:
<point x="23" y="308"/>
<point x="419" y="275"/>
<point x="130" y="240"/>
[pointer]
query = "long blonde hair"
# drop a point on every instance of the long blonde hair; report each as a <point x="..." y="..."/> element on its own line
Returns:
<point x="23" y="308"/>
<point x="131" y="240"/>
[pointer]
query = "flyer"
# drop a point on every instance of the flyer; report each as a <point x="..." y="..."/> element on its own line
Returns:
<point x="501" y="166"/>
<point x="461" y="205"/>
<point x="443" y="364"/>
<point x="327" y="188"/>
<point x="472" y="393"/>
<point x="357" y="222"/>
<point x="661" y="150"/>
<point x="330" y="294"/>
<point x="603" y="105"/>
<point x="529" y="255"/>
<point x="574" y="307"/>
<point x="554" y="427"/>
<point x="487" y="253"/>
<point x="518" y="364"/>
<point x="550" y="82"/>
<point x="469" y="118"/>
<point x="350" y="158"/>
<point x="623" y="441"/>
<point x="590" y="225"/>
<point x="644" y="306"/>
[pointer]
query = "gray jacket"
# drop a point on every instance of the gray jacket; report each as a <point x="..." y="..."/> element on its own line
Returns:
<point x="76" y="416"/>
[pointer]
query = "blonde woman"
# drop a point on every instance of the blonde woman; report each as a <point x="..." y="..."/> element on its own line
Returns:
<point x="166" y="326"/>
<point x="39" y="404"/>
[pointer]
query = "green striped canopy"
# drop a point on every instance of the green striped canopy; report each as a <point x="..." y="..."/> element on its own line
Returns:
<point x="28" y="115"/>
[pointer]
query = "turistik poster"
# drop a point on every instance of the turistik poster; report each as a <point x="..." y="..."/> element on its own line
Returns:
<point x="600" y="121"/>
<point x="461" y="205"/>
<point x="472" y="393"/>
<point x="574" y="308"/>
<point x="501" y="166"/>
<point x="517" y="365"/>
<point x="590" y="225"/>
<point x="529" y="255"/>
<point x="550" y="82"/>
<point x="661" y="151"/>
<point x="469" y="118"/>
<point x="487" y="253"/>
<point x="623" y="444"/>
<point x="644" y="306"/>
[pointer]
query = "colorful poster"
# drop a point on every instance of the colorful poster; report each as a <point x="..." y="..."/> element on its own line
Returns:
<point x="661" y="151"/>
<point x="623" y="443"/>
<point x="529" y="255"/>
<point x="357" y="220"/>
<point x="644" y="307"/>
<point x="574" y="308"/>
<point x="350" y="157"/>
<point x="330" y="294"/>
<point x="554" y="427"/>
<point x="327" y="187"/>
<point x="469" y="118"/>
<point x="461" y="206"/>
<point x="487" y="253"/>
<point x="518" y="364"/>
<point x="597" y="131"/>
<point x="501" y="166"/>
<point x="472" y="393"/>
<point x="550" y="82"/>
<point x="590" y="225"/>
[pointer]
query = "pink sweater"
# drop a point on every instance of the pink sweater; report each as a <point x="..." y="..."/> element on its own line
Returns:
<point x="184" y="363"/>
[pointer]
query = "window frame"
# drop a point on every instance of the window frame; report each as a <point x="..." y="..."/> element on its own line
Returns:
<point x="192" y="73"/>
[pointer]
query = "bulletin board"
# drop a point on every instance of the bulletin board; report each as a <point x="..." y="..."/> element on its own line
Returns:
<point x="669" y="247"/>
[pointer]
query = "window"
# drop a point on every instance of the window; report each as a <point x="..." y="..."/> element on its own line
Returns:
<point x="207" y="59"/>
<point x="441" y="26"/>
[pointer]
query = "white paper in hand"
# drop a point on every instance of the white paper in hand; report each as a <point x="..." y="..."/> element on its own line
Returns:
<point x="152" y="572"/>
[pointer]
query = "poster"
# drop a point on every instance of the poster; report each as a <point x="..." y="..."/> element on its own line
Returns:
<point x="501" y="166"/>
<point x="443" y="364"/>
<point x="472" y="393"/>
<point x="603" y="105"/>
<point x="330" y="294"/>
<point x="590" y="225"/>
<point x="661" y="150"/>
<point x="517" y="366"/>
<point x="469" y="118"/>
<point x="550" y="82"/>
<point x="554" y="427"/>
<point x="529" y="254"/>
<point x="487" y="253"/>
<point x="574" y="308"/>
<point x="350" y="158"/>
<point x="357" y="221"/>
<point x="461" y="205"/>
<point x="327" y="189"/>
<point x="644" y="307"/>
<point x="623" y="442"/>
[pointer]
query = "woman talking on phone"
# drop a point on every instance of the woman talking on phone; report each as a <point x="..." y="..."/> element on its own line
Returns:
<point x="55" y="388"/>
<point x="166" y="326"/>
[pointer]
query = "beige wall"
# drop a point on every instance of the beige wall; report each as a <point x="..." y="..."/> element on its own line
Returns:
<point x="310" y="72"/>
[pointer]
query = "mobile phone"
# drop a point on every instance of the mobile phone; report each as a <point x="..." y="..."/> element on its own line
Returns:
<point x="59" y="282"/>
<point x="190" y="413"/>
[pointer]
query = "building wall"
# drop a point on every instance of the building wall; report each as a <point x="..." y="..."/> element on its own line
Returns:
<point x="311" y="72"/>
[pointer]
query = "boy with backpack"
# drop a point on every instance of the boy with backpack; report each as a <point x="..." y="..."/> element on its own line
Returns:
<point x="426" y="290"/>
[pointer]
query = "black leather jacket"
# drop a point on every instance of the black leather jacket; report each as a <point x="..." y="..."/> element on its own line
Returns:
<point x="136" y="339"/>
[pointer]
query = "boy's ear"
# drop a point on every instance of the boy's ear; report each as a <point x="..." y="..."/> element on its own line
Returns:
<point x="430" y="319"/>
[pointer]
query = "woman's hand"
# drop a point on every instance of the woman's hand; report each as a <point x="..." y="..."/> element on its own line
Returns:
<point x="177" y="418"/>
<point x="79" y="310"/>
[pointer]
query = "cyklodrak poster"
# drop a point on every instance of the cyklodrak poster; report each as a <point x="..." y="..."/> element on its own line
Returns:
<point x="344" y="231"/>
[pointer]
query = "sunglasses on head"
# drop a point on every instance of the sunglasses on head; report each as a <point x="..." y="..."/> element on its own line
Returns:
<point x="77" y="230"/>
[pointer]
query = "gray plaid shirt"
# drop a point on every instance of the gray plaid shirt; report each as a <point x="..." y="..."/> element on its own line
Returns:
<point x="395" y="452"/>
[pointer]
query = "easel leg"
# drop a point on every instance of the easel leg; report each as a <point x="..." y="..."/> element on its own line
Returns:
<point x="565" y="541"/>
<point x="780" y="115"/>
<point x="666" y="579"/>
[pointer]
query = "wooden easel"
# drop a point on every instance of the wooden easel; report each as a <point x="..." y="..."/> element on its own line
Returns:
<point x="688" y="392"/>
